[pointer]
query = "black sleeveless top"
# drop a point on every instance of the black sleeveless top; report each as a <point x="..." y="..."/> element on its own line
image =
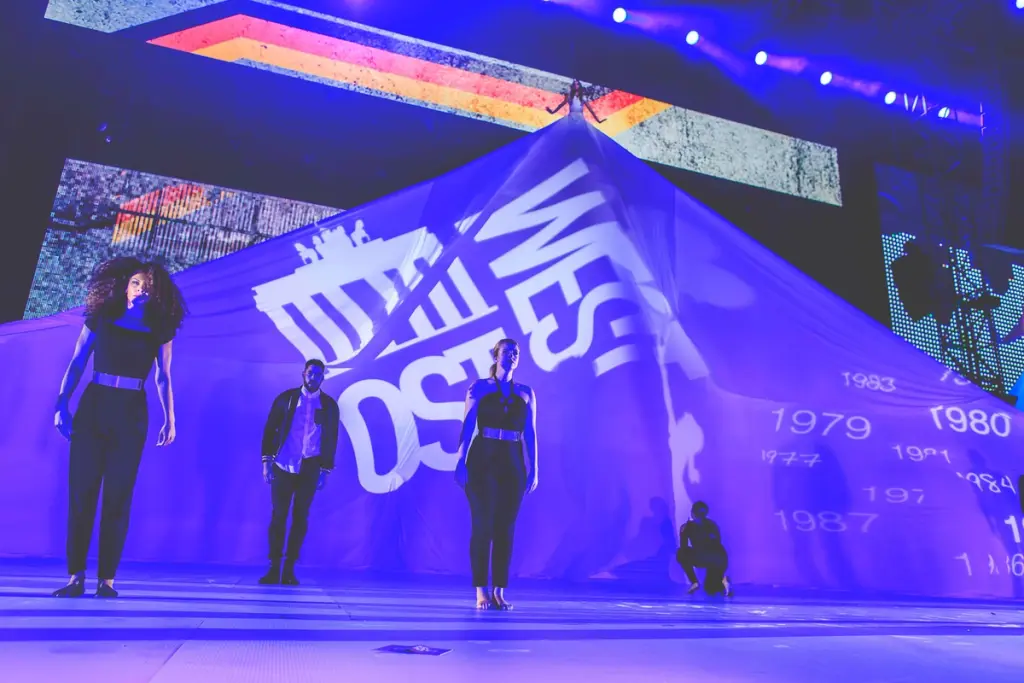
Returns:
<point x="121" y="351"/>
<point x="496" y="412"/>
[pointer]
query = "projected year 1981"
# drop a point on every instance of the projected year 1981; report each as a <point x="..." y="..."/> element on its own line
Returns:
<point x="919" y="454"/>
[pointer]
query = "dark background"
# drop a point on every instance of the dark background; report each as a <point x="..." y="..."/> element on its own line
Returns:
<point x="179" y="115"/>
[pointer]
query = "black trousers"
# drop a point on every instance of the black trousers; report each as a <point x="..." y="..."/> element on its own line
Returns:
<point x="715" y="560"/>
<point x="495" y="486"/>
<point x="291" y="492"/>
<point x="108" y="435"/>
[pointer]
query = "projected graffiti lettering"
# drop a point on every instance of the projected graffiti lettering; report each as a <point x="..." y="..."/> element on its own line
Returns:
<point x="404" y="404"/>
<point x="450" y="365"/>
<point x="442" y="300"/>
<point x="567" y="254"/>
<point x="319" y="310"/>
<point x="314" y="295"/>
<point x="313" y="311"/>
<point x="565" y="251"/>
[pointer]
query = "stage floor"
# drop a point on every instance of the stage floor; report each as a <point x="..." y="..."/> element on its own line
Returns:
<point x="192" y="625"/>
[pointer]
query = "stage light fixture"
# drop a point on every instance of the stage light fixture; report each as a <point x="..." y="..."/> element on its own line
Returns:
<point x="619" y="15"/>
<point x="761" y="58"/>
<point x="692" y="38"/>
<point x="826" y="78"/>
<point x="890" y="97"/>
<point x="944" y="113"/>
<point x="1020" y="4"/>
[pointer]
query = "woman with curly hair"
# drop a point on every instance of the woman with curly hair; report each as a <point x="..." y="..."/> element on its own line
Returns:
<point x="133" y="310"/>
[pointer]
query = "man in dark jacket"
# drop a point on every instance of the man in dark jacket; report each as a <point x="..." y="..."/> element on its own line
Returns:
<point x="700" y="545"/>
<point x="299" y="443"/>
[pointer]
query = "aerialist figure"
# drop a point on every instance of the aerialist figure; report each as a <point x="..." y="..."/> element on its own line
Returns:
<point x="133" y="311"/>
<point x="496" y="468"/>
<point x="576" y="98"/>
<point x="700" y="545"/>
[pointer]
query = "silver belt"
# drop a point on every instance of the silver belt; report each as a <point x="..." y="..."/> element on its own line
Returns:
<point x="103" y="379"/>
<point x="501" y="434"/>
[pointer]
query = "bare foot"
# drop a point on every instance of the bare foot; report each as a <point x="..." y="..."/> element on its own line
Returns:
<point x="727" y="586"/>
<point x="694" y="587"/>
<point x="499" y="600"/>
<point x="483" y="598"/>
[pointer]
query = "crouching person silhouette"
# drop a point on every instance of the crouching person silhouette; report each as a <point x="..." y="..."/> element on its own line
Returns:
<point x="700" y="545"/>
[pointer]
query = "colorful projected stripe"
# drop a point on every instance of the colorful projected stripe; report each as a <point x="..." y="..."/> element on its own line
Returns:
<point x="302" y="43"/>
<point x="138" y="214"/>
<point x="181" y="222"/>
<point x="241" y="37"/>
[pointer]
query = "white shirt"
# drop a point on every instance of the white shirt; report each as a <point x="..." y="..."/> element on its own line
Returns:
<point x="303" y="439"/>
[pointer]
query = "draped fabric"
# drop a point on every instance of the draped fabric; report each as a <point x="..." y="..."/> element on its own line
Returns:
<point x="674" y="359"/>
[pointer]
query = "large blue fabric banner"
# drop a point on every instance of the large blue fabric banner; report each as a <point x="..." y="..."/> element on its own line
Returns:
<point x="674" y="359"/>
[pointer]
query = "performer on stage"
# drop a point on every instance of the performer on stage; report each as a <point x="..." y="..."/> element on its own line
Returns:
<point x="299" y="442"/>
<point x="700" y="545"/>
<point x="133" y="311"/>
<point x="577" y="98"/>
<point x="497" y="468"/>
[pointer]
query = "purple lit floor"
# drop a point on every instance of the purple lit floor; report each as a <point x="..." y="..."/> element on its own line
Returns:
<point x="192" y="625"/>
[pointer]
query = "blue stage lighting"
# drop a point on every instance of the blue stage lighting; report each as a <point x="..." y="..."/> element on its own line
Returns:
<point x="890" y="97"/>
<point x="619" y="15"/>
<point x="826" y="78"/>
<point x="692" y="38"/>
<point x="761" y="58"/>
